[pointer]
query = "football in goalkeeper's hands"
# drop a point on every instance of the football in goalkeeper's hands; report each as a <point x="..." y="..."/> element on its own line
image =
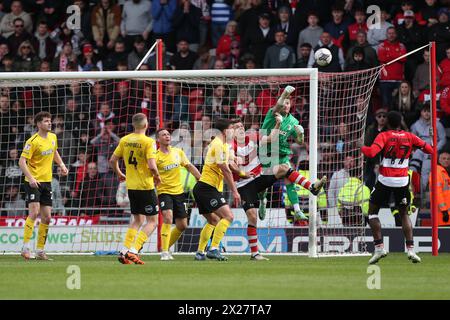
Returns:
<point x="323" y="57"/>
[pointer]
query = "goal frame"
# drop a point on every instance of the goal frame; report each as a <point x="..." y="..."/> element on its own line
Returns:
<point x="311" y="73"/>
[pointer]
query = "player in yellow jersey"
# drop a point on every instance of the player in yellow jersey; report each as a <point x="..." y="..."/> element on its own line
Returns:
<point x="138" y="152"/>
<point x="208" y="192"/>
<point x="36" y="162"/>
<point x="170" y="192"/>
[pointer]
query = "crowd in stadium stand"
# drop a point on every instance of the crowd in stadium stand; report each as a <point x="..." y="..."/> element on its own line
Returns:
<point x="205" y="34"/>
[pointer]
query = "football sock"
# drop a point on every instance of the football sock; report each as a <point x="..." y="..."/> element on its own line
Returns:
<point x="175" y="234"/>
<point x="219" y="232"/>
<point x="28" y="231"/>
<point x="140" y="240"/>
<point x="165" y="234"/>
<point x="297" y="178"/>
<point x="129" y="238"/>
<point x="252" y="236"/>
<point x="292" y="194"/>
<point x="205" y="235"/>
<point x="42" y="236"/>
<point x="262" y="195"/>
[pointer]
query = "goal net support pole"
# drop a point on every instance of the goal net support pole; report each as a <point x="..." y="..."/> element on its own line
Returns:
<point x="434" y="156"/>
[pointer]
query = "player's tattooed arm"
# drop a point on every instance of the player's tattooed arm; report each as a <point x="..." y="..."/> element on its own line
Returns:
<point x="285" y="95"/>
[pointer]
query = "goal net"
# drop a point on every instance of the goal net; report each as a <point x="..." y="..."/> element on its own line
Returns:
<point x="92" y="111"/>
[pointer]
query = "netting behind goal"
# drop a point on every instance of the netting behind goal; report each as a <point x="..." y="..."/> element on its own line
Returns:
<point x="90" y="206"/>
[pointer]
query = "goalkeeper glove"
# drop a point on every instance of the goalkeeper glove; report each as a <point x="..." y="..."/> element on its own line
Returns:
<point x="286" y="93"/>
<point x="445" y="215"/>
<point x="300" y="133"/>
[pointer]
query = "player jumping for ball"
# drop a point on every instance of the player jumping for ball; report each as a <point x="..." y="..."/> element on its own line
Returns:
<point x="279" y="125"/>
<point x="396" y="146"/>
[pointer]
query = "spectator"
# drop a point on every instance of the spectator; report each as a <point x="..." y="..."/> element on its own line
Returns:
<point x="310" y="34"/>
<point x="420" y="161"/>
<point x="372" y="131"/>
<point x="92" y="190"/>
<point x="404" y="102"/>
<point x="243" y="102"/>
<point x="122" y="199"/>
<point x="8" y="23"/>
<point x="113" y="58"/>
<point x="205" y="60"/>
<point x="358" y="61"/>
<point x="80" y="165"/>
<point x="18" y="36"/>
<point x="421" y="78"/>
<point x="26" y="60"/>
<point x="50" y="11"/>
<point x="444" y="69"/>
<point x="377" y="33"/>
<point x="258" y="38"/>
<point x="223" y="49"/>
<point x="287" y="23"/>
<point x="4" y="50"/>
<point x="166" y="59"/>
<point x="184" y="59"/>
<point x="390" y="78"/>
<point x="440" y="33"/>
<point x="86" y="28"/>
<point x="214" y="103"/>
<point x="43" y="45"/>
<point x="177" y="108"/>
<point x="337" y="62"/>
<point x="186" y="24"/>
<point x="7" y="64"/>
<point x="268" y="97"/>
<point x="232" y="61"/>
<point x="370" y="55"/>
<point x="12" y="173"/>
<point x="74" y="118"/>
<point x="444" y="101"/>
<point x="13" y="204"/>
<point x="413" y="36"/>
<point x="339" y="179"/>
<point x="65" y="57"/>
<point x="408" y="5"/>
<point x="303" y="55"/>
<point x="342" y="138"/>
<point x="105" y="20"/>
<point x="57" y="198"/>
<point x="204" y="20"/>
<point x="353" y="30"/>
<point x="279" y="55"/>
<point x="138" y="53"/>
<point x="248" y="61"/>
<point x="163" y="11"/>
<point x="89" y="60"/>
<point x="136" y="20"/>
<point x="429" y="12"/>
<point x="68" y="35"/>
<point x="105" y="114"/>
<point x="221" y="13"/>
<point x="250" y="17"/>
<point x="148" y="107"/>
<point x="443" y="192"/>
<point x="104" y="145"/>
<point x="337" y="28"/>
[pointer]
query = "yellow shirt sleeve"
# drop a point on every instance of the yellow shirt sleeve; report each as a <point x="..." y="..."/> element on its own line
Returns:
<point x="28" y="150"/>
<point x="184" y="161"/>
<point x="119" y="149"/>
<point x="151" y="151"/>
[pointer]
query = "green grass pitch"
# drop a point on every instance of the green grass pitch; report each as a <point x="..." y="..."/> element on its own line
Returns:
<point x="283" y="277"/>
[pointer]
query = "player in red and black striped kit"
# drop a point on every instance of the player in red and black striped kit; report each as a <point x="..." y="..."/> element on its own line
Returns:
<point x="396" y="146"/>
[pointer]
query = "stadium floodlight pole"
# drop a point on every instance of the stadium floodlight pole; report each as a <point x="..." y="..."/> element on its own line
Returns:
<point x="146" y="55"/>
<point x="313" y="146"/>
<point x="160" y="118"/>
<point x="434" y="156"/>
